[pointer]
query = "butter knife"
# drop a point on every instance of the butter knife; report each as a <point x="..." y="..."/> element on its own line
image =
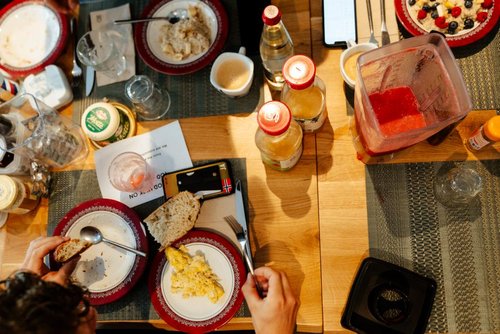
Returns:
<point x="241" y="217"/>
<point x="385" y="34"/>
<point x="89" y="80"/>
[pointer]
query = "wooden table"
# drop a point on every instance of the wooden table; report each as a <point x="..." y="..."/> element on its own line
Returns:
<point x="310" y="222"/>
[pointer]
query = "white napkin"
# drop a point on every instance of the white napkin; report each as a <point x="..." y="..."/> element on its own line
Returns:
<point x="103" y="19"/>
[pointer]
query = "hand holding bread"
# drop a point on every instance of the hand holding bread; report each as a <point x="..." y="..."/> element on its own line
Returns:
<point x="69" y="249"/>
<point x="41" y="247"/>
<point x="174" y="218"/>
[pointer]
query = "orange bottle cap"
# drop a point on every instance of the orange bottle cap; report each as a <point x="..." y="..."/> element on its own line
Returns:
<point x="271" y="15"/>
<point x="274" y="118"/>
<point x="492" y="128"/>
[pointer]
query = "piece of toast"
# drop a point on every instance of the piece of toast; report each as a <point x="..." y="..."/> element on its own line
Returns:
<point x="174" y="218"/>
<point x="69" y="249"/>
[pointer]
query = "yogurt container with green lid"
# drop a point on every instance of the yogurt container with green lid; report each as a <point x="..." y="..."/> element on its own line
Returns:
<point x="104" y="123"/>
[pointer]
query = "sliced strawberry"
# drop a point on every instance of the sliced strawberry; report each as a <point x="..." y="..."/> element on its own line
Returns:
<point x="456" y="11"/>
<point x="440" y="22"/>
<point x="481" y="16"/>
<point x="422" y="14"/>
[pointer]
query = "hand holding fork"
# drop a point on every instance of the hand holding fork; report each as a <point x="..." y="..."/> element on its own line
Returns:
<point x="242" y="239"/>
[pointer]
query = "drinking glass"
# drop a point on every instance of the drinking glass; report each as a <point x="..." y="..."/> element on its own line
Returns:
<point x="129" y="172"/>
<point x="104" y="51"/>
<point x="40" y="133"/>
<point x="457" y="186"/>
<point x="150" y="102"/>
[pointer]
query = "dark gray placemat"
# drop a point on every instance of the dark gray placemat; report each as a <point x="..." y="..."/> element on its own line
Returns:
<point x="70" y="188"/>
<point x="192" y="95"/>
<point x="459" y="247"/>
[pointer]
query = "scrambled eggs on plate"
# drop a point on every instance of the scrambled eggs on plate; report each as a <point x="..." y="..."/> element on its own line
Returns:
<point x="192" y="276"/>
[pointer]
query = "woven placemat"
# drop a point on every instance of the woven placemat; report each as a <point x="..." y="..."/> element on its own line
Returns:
<point x="458" y="247"/>
<point x="70" y="188"/>
<point x="192" y="95"/>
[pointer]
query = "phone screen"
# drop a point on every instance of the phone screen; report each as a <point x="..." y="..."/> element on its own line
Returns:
<point x="202" y="179"/>
<point x="339" y="22"/>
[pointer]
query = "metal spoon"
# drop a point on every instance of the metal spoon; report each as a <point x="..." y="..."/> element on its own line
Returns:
<point x="94" y="236"/>
<point x="173" y="17"/>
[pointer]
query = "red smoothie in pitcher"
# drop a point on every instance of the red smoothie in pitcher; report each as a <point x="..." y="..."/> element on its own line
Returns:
<point x="397" y="111"/>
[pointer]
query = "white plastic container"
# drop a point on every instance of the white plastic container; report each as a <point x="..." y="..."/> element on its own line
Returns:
<point x="49" y="86"/>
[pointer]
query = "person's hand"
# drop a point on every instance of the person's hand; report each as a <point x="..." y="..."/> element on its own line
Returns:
<point x="37" y="250"/>
<point x="63" y="6"/>
<point x="277" y="311"/>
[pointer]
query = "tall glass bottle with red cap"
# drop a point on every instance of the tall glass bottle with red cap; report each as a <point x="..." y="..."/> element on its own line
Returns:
<point x="304" y="93"/>
<point x="275" y="46"/>
<point x="279" y="137"/>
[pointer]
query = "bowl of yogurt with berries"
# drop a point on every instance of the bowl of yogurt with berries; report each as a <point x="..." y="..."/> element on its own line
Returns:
<point x="461" y="21"/>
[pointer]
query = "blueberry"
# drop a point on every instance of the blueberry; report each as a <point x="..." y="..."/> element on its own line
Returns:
<point x="434" y="14"/>
<point x="435" y="6"/>
<point x="411" y="2"/>
<point x="468" y="23"/>
<point x="452" y="27"/>
<point x="468" y="3"/>
<point x="449" y="10"/>
<point x="427" y="8"/>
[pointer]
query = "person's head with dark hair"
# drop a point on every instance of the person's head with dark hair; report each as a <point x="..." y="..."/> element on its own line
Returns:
<point x="39" y="300"/>
<point x="29" y="304"/>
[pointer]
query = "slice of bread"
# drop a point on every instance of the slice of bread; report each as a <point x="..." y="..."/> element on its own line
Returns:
<point x="69" y="249"/>
<point x="174" y="218"/>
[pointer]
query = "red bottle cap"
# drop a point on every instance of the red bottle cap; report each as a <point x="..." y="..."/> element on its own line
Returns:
<point x="274" y="118"/>
<point x="299" y="72"/>
<point x="271" y="15"/>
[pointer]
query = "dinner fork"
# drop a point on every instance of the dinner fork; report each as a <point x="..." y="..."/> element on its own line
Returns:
<point x="76" y="71"/>
<point x="370" y="23"/>
<point x="242" y="239"/>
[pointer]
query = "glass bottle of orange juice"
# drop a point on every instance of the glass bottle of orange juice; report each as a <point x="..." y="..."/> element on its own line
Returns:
<point x="304" y="93"/>
<point x="279" y="137"/>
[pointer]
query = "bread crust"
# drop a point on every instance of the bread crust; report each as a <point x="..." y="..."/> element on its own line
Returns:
<point x="69" y="249"/>
<point x="174" y="218"/>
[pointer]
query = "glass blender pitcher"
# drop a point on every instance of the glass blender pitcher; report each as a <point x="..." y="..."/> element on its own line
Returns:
<point x="405" y="93"/>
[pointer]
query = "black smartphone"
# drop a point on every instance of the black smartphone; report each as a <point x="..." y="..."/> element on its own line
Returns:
<point x="339" y="22"/>
<point x="211" y="180"/>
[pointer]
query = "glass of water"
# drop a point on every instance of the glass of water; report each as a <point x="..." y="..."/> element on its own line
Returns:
<point x="150" y="102"/>
<point x="458" y="186"/>
<point x="104" y="51"/>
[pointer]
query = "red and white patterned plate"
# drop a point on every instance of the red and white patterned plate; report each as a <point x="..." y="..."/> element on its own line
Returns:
<point x="107" y="271"/>
<point x="32" y="36"/>
<point x="147" y="40"/>
<point x="198" y="314"/>
<point x="463" y="38"/>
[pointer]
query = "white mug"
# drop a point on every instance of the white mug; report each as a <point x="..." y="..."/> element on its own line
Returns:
<point x="348" y="60"/>
<point x="232" y="73"/>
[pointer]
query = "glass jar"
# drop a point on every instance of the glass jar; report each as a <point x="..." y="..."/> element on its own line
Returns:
<point x="16" y="196"/>
<point x="304" y="93"/>
<point x="275" y="46"/>
<point x="487" y="134"/>
<point x="279" y="137"/>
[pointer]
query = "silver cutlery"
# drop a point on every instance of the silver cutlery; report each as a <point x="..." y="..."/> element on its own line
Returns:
<point x="242" y="239"/>
<point x="93" y="235"/>
<point x="172" y="17"/>
<point x="385" y="34"/>
<point x="370" y="23"/>
<point x="89" y="80"/>
<point x="76" y="71"/>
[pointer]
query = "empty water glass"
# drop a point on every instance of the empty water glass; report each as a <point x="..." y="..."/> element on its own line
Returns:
<point x="150" y="102"/>
<point x="130" y="172"/>
<point x="458" y="186"/>
<point x="104" y="51"/>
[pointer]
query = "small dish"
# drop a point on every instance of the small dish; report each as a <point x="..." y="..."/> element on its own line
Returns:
<point x="348" y="60"/>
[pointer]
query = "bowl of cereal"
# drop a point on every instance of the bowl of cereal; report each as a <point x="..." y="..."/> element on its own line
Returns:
<point x="184" y="46"/>
<point x="461" y="21"/>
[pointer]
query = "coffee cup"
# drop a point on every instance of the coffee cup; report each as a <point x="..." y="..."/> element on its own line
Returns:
<point x="348" y="60"/>
<point x="232" y="73"/>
